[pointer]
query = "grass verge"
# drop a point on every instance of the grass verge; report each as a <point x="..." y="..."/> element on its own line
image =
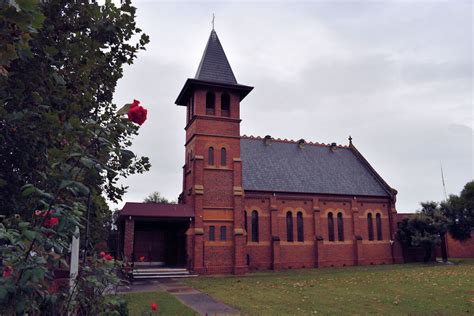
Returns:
<point x="139" y="303"/>
<point x="419" y="289"/>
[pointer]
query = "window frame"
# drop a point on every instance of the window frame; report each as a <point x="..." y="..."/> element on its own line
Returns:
<point x="289" y="227"/>
<point x="210" y="156"/>
<point x="378" y="224"/>
<point x="255" y="227"/>
<point x="340" y="226"/>
<point x="300" y="226"/>
<point x="210" y="103"/>
<point x="331" y="227"/>
<point x="212" y="233"/>
<point x="223" y="233"/>
<point x="370" y="227"/>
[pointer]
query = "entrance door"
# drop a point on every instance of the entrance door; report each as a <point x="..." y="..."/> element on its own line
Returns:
<point x="163" y="242"/>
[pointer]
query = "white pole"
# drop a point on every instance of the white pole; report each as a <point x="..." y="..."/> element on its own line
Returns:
<point x="74" y="265"/>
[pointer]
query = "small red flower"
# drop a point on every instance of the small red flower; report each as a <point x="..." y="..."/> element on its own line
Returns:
<point x="137" y="113"/>
<point x="102" y="254"/>
<point x="108" y="257"/>
<point x="50" y="222"/>
<point x="7" y="270"/>
<point x="154" y="307"/>
<point x="38" y="212"/>
<point x="142" y="258"/>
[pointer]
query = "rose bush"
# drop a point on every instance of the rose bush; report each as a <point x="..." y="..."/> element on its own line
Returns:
<point x="63" y="146"/>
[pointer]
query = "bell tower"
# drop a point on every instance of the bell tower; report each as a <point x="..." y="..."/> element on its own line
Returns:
<point x="212" y="174"/>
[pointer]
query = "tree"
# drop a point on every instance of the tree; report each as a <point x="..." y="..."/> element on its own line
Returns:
<point x="424" y="229"/>
<point x="459" y="210"/>
<point x="62" y="143"/>
<point x="156" y="197"/>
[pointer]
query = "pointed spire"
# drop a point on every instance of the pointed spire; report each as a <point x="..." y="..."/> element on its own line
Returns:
<point x="350" y="140"/>
<point x="214" y="66"/>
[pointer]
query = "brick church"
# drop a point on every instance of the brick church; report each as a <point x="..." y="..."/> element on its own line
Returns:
<point x="252" y="203"/>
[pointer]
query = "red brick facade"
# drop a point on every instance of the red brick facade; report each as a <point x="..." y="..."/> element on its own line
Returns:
<point x="216" y="194"/>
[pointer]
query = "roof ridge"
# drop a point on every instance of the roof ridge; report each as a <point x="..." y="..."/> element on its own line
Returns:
<point x="292" y="141"/>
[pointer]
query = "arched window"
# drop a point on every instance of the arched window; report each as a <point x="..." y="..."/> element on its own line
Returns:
<point x="225" y="104"/>
<point x="370" y="226"/>
<point x="340" y="227"/>
<point x="210" y="103"/>
<point x="245" y="222"/>
<point x="300" y="226"/>
<point x="378" y="222"/>
<point x="223" y="233"/>
<point x="210" y="156"/>
<point x="255" y="226"/>
<point x="212" y="233"/>
<point x="223" y="157"/>
<point x="289" y="227"/>
<point x="330" y="227"/>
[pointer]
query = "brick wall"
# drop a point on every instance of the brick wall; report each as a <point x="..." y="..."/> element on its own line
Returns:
<point x="461" y="249"/>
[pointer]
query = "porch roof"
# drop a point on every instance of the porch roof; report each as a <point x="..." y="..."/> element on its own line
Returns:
<point x="156" y="210"/>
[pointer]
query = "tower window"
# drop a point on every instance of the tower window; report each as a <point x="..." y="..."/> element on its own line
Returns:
<point x="370" y="227"/>
<point x="340" y="227"/>
<point x="225" y="104"/>
<point x="210" y="156"/>
<point x="255" y="226"/>
<point x="210" y="103"/>
<point x="289" y="227"/>
<point x="300" y="226"/>
<point x="378" y="222"/>
<point x="223" y="233"/>
<point x="212" y="233"/>
<point x="330" y="227"/>
<point x="223" y="157"/>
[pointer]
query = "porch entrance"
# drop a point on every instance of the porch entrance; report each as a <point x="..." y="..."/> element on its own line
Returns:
<point x="161" y="242"/>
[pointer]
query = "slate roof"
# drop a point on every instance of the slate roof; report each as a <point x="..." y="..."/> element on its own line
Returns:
<point x="156" y="210"/>
<point x="285" y="167"/>
<point x="214" y="66"/>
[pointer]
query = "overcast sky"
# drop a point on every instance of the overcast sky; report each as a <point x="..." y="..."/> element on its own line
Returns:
<point x="397" y="76"/>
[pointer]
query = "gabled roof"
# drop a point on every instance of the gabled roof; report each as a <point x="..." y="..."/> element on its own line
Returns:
<point x="214" y="66"/>
<point x="156" y="210"/>
<point x="284" y="166"/>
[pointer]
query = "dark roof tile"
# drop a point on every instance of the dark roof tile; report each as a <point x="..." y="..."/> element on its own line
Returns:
<point x="214" y="66"/>
<point x="285" y="167"/>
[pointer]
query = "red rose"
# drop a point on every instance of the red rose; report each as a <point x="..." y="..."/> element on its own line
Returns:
<point x="50" y="222"/>
<point x="154" y="307"/>
<point x="108" y="257"/>
<point x="7" y="270"/>
<point x="142" y="258"/>
<point x="137" y="113"/>
<point x="102" y="254"/>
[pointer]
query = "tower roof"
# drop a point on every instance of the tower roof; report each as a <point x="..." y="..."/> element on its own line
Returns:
<point x="214" y="66"/>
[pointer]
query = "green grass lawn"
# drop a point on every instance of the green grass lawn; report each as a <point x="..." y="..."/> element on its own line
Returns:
<point x="415" y="289"/>
<point x="140" y="302"/>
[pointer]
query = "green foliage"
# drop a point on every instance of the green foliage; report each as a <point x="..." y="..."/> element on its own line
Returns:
<point x="62" y="144"/>
<point x="423" y="229"/>
<point x="156" y="197"/>
<point x="459" y="210"/>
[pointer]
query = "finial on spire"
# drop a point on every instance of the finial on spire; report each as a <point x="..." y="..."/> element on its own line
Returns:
<point x="350" y="140"/>
<point x="213" y="17"/>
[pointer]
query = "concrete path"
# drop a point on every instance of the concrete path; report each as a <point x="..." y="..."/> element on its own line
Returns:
<point x="140" y="286"/>
<point x="198" y="301"/>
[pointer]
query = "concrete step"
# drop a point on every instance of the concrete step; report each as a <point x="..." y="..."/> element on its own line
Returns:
<point x="159" y="270"/>
<point x="161" y="273"/>
<point x="158" y="276"/>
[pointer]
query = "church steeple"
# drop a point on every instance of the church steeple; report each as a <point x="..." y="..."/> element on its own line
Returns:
<point x="214" y="71"/>
<point x="214" y="66"/>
